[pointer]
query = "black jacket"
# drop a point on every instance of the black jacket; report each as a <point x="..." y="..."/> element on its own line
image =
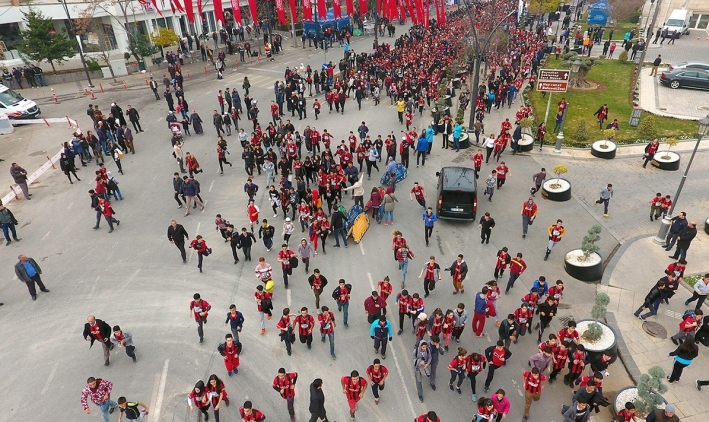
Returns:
<point x="133" y="115"/>
<point x="506" y="329"/>
<point x="549" y="310"/>
<point x="487" y="224"/>
<point x="177" y="184"/>
<point x="317" y="402"/>
<point x="177" y="234"/>
<point x="338" y="220"/>
<point x="104" y="328"/>
<point x="653" y="295"/>
<point x="323" y="281"/>
<point x="685" y="237"/>
<point x="246" y="240"/>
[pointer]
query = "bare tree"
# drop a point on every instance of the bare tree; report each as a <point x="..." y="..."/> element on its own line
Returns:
<point x="125" y="8"/>
<point x="622" y="9"/>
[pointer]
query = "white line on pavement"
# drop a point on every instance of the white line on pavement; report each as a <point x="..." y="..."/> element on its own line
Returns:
<point x="155" y="415"/>
<point x="211" y="186"/>
<point x="403" y="382"/>
<point x="45" y="236"/>
<point x="288" y="297"/>
<point x="49" y="380"/>
<point x="69" y="207"/>
<point x="93" y="288"/>
<point x="361" y="247"/>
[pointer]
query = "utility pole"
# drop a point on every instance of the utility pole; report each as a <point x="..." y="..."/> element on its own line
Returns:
<point x="78" y="40"/>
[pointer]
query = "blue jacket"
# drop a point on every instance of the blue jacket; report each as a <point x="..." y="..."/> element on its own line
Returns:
<point x="543" y="291"/>
<point x="422" y="144"/>
<point x="380" y="332"/>
<point x="457" y="129"/>
<point x="236" y="322"/>
<point x="429" y="135"/>
<point x="428" y="220"/>
<point x="189" y="188"/>
<point x="480" y="304"/>
<point x="678" y="224"/>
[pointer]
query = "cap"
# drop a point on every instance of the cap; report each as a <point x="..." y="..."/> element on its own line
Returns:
<point x="670" y="408"/>
<point x="287" y="219"/>
<point x="422" y="316"/>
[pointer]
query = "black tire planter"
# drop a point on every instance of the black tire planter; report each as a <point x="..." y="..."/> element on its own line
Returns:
<point x="456" y="83"/>
<point x="706" y="226"/>
<point x="585" y="273"/>
<point x="612" y="350"/>
<point x="608" y="154"/>
<point x="449" y="101"/>
<point x="557" y="196"/>
<point x="464" y="141"/>
<point x="666" y="165"/>
<point x="527" y="147"/>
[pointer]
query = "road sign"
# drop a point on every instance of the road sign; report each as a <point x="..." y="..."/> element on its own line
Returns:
<point x="552" y="86"/>
<point x="553" y="75"/>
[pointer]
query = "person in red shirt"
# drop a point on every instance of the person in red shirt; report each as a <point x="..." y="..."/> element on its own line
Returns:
<point x="656" y="206"/>
<point x="447" y="328"/>
<point x="409" y="118"/>
<point x="385" y="288"/>
<point x="486" y="410"/>
<point x="557" y="292"/>
<point x="569" y="333"/>
<point x="249" y="414"/>
<point x="577" y="361"/>
<point x="317" y="284"/>
<point x="284" y="257"/>
<point x="502" y="172"/>
<point x="428" y="417"/>
<point x="316" y="108"/>
<point x="419" y="193"/>
<point x="404" y="301"/>
<point x="377" y="374"/>
<point x="666" y="204"/>
<point x="199" y="397"/>
<point x="496" y="357"/>
<point x="216" y="389"/>
<point x="304" y="324"/>
<point x="353" y="387"/>
<point x="517" y="267"/>
<point x="534" y="383"/>
<point x="230" y="351"/>
<point x="199" y="309"/>
<point x="561" y="356"/>
<point x="458" y="368"/>
<point x="523" y="316"/>
<point x="264" y="305"/>
<point x="475" y="365"/>
<point x="284" y="384"/>
<point x="650" y="151"/>
<point x="286" y="329"/>
<point x="108" y="212"/>
<point x="503" y="258"/>
<point x="478" y="162"/>
<point x="529" y="213"/>
<point x="200" y="245"/>
<point x="326" y="319"/>
<point x="688" y="326"/>
<point x="626" y="414"/>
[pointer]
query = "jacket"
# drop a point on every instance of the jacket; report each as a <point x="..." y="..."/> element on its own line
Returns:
<point x="127" y="338"/>
<point x="549" y="310"/>
<point x="317" y="402"/>
<point x="428" y="220"/>
<point x="388" y="201"/>
<point x="678" y="224"/>
<point x="380" y="332"/>
<point x="506" y="330"/>
<point x="189" y="188"/>
<point x="21" y="272"/>
<point x="540" y="361"/>
<point x="652" y="296"/>
<point x="19" y="175"/>
<point x="460" y="320"/>
<point x="6" y="217"/>
<point x="237" y="322"/>
<point x="436" y="351"/>
<point x="177" y="234"/>
<point x="659" y="416"/>
<point x="103" y="389"/>
<point x="357" y="189"/>
<point x="487" y="224"/>
<point x="373" y="307"/>
<point x="419" y="356"/>
<point x="463" y="269"/>
<point x="570" y="414"/>
<point x="104" y="329"/>
<point x="480" y="304"/>
<point x="422" y="145"/>
<point x="685" y="358"/>
<point x="177" y="184"/>
<point x="338" y="220"/>
<point x="685" y="237"/>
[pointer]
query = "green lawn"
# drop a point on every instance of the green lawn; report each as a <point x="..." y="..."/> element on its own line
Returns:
<point x="621" y="27"/>
<point x="616" y="77"/>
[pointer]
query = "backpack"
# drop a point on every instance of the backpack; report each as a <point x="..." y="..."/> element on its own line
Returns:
<point x="688" y="313"/>
<point x="132" y="411"/>
<point x="507" y="259"/>
<point x="336" y="292"/>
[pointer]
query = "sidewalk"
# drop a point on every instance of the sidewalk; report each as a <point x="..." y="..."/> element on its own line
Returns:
<point x="628" y="277"/>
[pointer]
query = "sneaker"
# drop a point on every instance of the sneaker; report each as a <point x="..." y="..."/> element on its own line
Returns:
<point x="263" y="331"/>
<point x="605" y="215"/>
<point x="236" y="371"/>
<point x="420" y="397"/>
<point x="486" y="388"/>
<point x="398" y="333"/>
<point x="524" y="419"/>
<point x="323" y="339"/>
<point x="135" y="359"/>
<point x="333" y="357"/>
<point x="474" y="397"/>
<point x="450" y="386"/>
<point x="228" y="373"/>
<point x="376" y="401"/>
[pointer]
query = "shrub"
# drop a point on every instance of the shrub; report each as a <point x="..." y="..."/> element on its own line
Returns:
<point x="650" y="388"/>
<point x="598" y="313"/>
<point x="648" y="127"/>
<point x="672" y="141"/>
<point x="92" y="65"/>
<point x="588" y="244"/>
<point x="580" y="132"/>
<point x="623" y="57"/>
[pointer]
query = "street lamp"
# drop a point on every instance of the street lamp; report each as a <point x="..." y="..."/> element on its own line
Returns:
<point x="575" y="66"/>
<point x="667" y="220"/>
<point x="78" y="40"/>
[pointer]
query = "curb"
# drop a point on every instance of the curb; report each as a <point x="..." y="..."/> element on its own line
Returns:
<point x="623" y="353"/>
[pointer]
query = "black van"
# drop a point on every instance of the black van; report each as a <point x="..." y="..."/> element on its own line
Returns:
<point x="457" y="194"/>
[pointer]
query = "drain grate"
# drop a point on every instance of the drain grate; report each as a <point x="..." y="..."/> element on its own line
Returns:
<point x="564" y="320"/>
<point x="655" y="329"/>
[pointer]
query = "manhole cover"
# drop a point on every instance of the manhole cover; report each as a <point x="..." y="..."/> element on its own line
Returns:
<point x="655" y="329"/>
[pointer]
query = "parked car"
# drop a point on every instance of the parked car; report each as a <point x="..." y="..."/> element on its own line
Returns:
<point x="457" y="194"/>
<point x="16" y="106"/>
<point x="686" y="78"/>
<point x="689" y="65"/>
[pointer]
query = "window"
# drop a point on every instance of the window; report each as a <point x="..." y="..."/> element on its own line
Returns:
<point x="703" y="21"/>
<point x="10" y="97"/>
<point x="689" y="74"/>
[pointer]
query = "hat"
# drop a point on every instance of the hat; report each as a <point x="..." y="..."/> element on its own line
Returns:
<point x="422" y="316"/>
<point x="287" y="219"/>
<point x="670" y="408"/>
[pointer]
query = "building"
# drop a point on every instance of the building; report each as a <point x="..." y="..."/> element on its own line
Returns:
<point x="699" y="8"/>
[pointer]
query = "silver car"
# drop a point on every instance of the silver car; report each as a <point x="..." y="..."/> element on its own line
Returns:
<point x="689" y="65"/>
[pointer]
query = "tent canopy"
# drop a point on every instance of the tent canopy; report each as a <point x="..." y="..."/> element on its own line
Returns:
<point x="598" y="13"/>
<point x="328" y="22"/>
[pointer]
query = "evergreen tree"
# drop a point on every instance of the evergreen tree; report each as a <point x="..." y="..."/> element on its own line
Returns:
<point x="41" y="42"/>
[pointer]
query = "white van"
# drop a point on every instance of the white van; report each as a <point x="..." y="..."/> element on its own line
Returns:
<point x="16" y="106"/>
<point x="679" y="21"/>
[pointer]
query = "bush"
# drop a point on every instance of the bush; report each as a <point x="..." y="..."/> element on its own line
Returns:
<point x="92" y="65"/>
<point x="650" y="387"/>
<point x="648" y="127"/>
<point x="623" y="57"/>
<point x="588" y="244"/>
<point x="580" y="132"/>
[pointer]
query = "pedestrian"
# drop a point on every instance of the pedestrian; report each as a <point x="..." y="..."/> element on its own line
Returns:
<point x="377" y="374"/>
<point x="216" y="389"/>
<point x="131" y="410"/>
<point x="421" y="149"/>
<point x="429" y="219"/>
<point x="199" y="397"/>
<point x="286" y="257"/>
<point x="496" y="356"/>
<point x="286" y="329"/>
<point x="353" y="387"/>
<point x="373" y="307"/>
<point x="305" y="251"/>
<point x="684" y="240"/>
<point x="304" y="323"/>
<point x="701" y="288"/>
<point x="123" y="339"/>
<point x="579" y="411"/>
<point x="606" y="195"/>
<point x="190" y="188"/>
<point x="67" y="166"/>
<point x="534" y="383"/>
<point x="577" y="362"/>
<point x="508" y="329"/>
<point x="684" y="354"/>
<point x="28" y="271"/>
<point x="547" y="310"/>
<point x="432" y="272"/>
<point x="529" y="213"/>
<point x="458" y="270"/>
<point x="200" y="245"/>
<point x="678" y="223"/>
<point x="326" y="319"/>
<point x="249" y="414"/>
<point x="476" y="364"/>
<point x="480" y="311"/>
<point x="96" y="329"/>
<point x="99" y="391"/>
<point x="235" y="320"/>
<point x="317" y="284"/>
<point x="668" y="413"/>
<point x="458" y="368"/>
<point x="199" y="309"/>
<point x="19" y="175"/>
<point x="486" y="224"/>
<point x="177" y="234"/>
<point x="381" y="332"/>
<point x="556" y="233"/>
<point x="317" y="402"/>
<point x="266" y="232"/>
<point x="284" y="384"/>
<point x="517" y="267"/>
<point x="656" y="206"/>
<point x="538" y="180"/>
<point x="650" y="150"/>
<point x="653" y="298"/>
<point x="691" y="321"/>
<point x="421" y="359"/>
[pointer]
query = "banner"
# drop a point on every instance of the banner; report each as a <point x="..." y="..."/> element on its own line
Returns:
<point x="236" y="10"/>
<point x="438" y="12"/>
<point x="155" y="5"/>
<point x="402" y="11"/>
<point x="427" y="13"/>
<point x="350" y="7"/>
<point x="199" y="9"/>
<point x="280" y="11"/>
<point x="218" y="11"/>
<point x="252" y="9"/>
<point x="189" y="9"/>
<point x="443" y="13"/>
<point x="393" y="13"/>
<point x="337" y="9"/>
<point x="308" y="11"/>
<point x="419" y="11"/>
<point x="178" y="6"/>
<point x="412" y="12"/>
<point x="362" y="7"/>
<point x="322" y="9"/>
<point x="293" y="11"/>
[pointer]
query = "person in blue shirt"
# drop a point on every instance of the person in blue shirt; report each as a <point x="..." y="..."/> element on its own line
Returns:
<point x="422" y="147"/>
<point x="429" y="139"/>
<point x="457" y="129"/>
<point x="29" y="272"/>
<point x="541" y="285"/>
<point x="428" y="219"/>
<point x="380" y="331"/>
<point x="511" y="94"/>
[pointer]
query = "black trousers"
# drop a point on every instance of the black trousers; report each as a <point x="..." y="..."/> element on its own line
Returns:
<point x="30" y="285"/>
<point x="490" y="374"/>
<point x="234" y="254"/>
<point x="136" y="125"/>
<point x="181" y="247"/>
<point x="428" y="233"/>
<point x="429" y="286"/>
<point x="306" y="339"/>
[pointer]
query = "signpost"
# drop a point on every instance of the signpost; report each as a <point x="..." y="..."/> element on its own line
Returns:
<point x="552" y="80"/>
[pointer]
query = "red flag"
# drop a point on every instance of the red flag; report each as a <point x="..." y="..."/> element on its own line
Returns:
<point x="410" y="7"/>
<point x="438" y="12"/>
<point x="189" y="9"/>
<point x="350" y="7"/>
<point x="293" y="10"/>
<point x="172" y="6"/>
<point x="308" y="11"/>
<point x="392" y="9"/>
<point x="199" y="8"/>
<point x="322" y="9"/>
<point x="337" y="9"/>
<point x="443" y="12"/>
<point x="362" y="7"/>
<point x="419" y="11"/>
<point x="156" y="8"/>
<point x="218" y="11"/>
<point x="402" y="10"/>
<point x="178" y="6"/>
<point x="236" y="9"/>
<point x="427" y="13"/>
<point x="280" y="11"/>
<point x="252" y="8"/>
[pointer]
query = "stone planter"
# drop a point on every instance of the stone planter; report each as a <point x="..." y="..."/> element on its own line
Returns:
<point x="456" y="83"/>
<point x="557" y="189"/>
<point x="449" y="101"/>
<point x="464" y="141"/>
<point x="604" y="149"/>
<point x="526" y="144"/>
<point x="628" y="394"/>
<point x="606" y="344"/>
<point x="666" y="160"/>
<point x="589" y="270"/>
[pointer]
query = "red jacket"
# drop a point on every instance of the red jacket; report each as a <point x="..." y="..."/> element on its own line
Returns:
<point x="200" y="247"/>
<point x="374" y="307"/>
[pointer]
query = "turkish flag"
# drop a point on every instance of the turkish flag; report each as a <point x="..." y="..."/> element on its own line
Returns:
<point x="412" y="12"/>
<point x="179" y="6"/>
<point x="157" y="9"/>
<point x="337" y="9"/>
<point x="322" y="9"/>
<point x="252" y="8"/>
<point x="189" y="9"/>
<point x="393" y="13"/>
<point x="443" y="13"/>
<point x="236" y="9"/>
<point x="199" y="8"/>
<point x="293" y="10"/>
<point x="438" y="12"/>
<point x="427" y="13"/>
<point x="350" y="7"/>
<point x="308" y="11"/>
<point x="402" y="10"/>
<point x="280" y="11"/>
<point x="362" y="7"/>
<point x="218" y="11"/>
<point x="419" y="11"/>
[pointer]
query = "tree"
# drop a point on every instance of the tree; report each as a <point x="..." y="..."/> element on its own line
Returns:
<point x="41" y="42"/>
<point x="165" y="37"/>
<point x="623" y="9"/>
<point x="588" y="244"/>
<point x="140" y="46"/>
<point x="539" y="7"/>
<point x="579" y="80"/>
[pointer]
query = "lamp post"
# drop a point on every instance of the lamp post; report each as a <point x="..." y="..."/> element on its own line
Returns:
<point x="647" y="21"/>
<point x="667" y="220"/>
<point x="78" y="40"/>
<point x="575" y="66"/>
<point x="314" y="5"/>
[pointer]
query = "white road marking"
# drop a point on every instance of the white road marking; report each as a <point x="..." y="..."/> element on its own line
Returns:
<point x="403" y="381"/>
<point x="211" y="186"/>
<point x="49" y="380"/>
<point x="129" y="280"/>
<point x="157" y="407"/>
<point x="288" y="297"/>
<point x="208" y="92"/>
<point x="69" y="207"/>
<point x="45" y="236"/>
<point x="371" y="281"/>
<point x="361" y="247"/>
